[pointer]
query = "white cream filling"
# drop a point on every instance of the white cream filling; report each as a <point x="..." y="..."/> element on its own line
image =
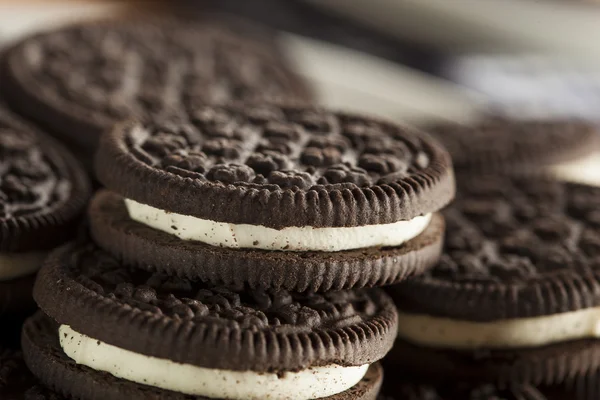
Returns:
<point x="312" y="383"/>
<point x="16" y="265"/>
<point x="305" y="238"/>
<point x="511" y="333"/>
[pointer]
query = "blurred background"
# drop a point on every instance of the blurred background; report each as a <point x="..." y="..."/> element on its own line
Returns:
<point x="408" y="60"/>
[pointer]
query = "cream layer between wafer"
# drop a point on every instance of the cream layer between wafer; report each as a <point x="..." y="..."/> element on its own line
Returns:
<point x="304" y="238"/>
<point x="509" y="333"/>
<point x="311" y="383"/>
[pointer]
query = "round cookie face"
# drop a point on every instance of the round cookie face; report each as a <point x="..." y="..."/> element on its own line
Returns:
<point x="65" y="377"/>
<point x="514" y="296"/>
<point x="148" y="248"/>
<point x="278" y="167"/>
<point x="516" y="146"/>
<point x="262" y="331"/>
<point x="42" y="191"/>
<point x="515" y="248"/>
<point x="142" y="67"/>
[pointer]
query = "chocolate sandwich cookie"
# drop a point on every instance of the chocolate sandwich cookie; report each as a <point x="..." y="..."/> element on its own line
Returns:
<point x="274" y="196"/>
<point x="497" y="144"/>
<point x="515" y="297"/>
<point x="142" y="67"/>
<point x="109" y="331"/>
<point x="43" y="191"/>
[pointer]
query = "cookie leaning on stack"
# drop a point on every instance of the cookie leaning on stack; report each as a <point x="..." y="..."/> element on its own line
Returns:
<point x="514" y="298"/>
<point x="109" y="331"/>
<point x="43" y="193"/>
<point x="496" y="145"/>
<point x="273" y="196"/>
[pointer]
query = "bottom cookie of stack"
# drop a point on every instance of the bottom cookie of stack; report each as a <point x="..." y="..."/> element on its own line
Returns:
<point x="108" y="331"/>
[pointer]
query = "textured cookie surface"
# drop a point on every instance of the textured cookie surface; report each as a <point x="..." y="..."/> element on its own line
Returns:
<point x="514" y="248"/>
<point x="278" y="166"/>
<point x="138" y="244"/>
<point x="504" y="145"/>
<point x="42" y="188"/>
<point x="87" y="289"/>
<point x="138" y="67"/>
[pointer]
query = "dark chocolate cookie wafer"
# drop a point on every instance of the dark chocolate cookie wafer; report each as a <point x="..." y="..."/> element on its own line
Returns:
<point x="43" y="191"/>
<point x="275" y="196"/>
<point x="40" y="392"/>
<point x="78" y="81"/>
<point x="516" y="295"/>
<point x="198" y="340"/>
<point x="516" y="146"/>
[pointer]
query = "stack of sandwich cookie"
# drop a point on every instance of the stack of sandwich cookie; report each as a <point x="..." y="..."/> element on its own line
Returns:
<point x="43" y="191"/>
<point x="273" y="196"/>
<point x="514" y="297"/>
<point x="108" y="331"/>
<point x="143" y="67"/>
<point x="501" y="145"/>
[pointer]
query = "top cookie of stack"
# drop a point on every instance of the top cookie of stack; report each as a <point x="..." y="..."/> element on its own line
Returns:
<point x="273" y="196"/>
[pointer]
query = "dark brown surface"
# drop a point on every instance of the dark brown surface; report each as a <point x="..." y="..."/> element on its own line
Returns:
<point x="278" y="166"/>
<point x="15" y="378"/>
<point x="514" y="248"/>
<point x="86" y="288"/>
<point x="15" y="296"/>
<point x="399" y="386"/>
<point x="145" y="247"/>
<point x="43" y="190"/>
<point x="139" y="67"/>
<point x="505" y="145"/>
<point x="545" y="365"/>
<point x="53" y="368"/>
<point x="403" y="388"/>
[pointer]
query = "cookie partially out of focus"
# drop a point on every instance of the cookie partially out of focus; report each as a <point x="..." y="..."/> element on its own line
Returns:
<point x="78" y="81"/>
<point x="43" y="192"/>
<point x="514" y="298"/>
<point x="501" y="145"/>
